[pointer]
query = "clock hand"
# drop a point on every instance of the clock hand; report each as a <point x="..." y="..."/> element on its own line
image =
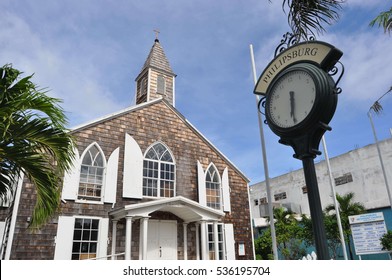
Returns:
<point x="292" y="106"/>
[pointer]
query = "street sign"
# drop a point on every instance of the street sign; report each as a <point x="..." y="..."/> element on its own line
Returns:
<point x="367" y="229"/>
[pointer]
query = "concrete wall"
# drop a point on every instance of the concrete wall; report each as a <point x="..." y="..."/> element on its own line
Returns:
<point x="361" y="165"/>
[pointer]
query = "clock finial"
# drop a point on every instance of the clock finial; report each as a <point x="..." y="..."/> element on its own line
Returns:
<point x="156" y="34"/>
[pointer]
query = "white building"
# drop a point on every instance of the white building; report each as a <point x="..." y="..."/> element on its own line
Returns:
<point x="357" y="171"/>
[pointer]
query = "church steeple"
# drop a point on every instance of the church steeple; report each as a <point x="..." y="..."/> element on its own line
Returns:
<point x="156" y="79"/>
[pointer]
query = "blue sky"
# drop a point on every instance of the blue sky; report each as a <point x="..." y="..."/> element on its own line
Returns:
<point x="89" y="52"/>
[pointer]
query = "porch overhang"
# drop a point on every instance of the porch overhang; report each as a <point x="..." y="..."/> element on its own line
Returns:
<point x="184" y="208"/>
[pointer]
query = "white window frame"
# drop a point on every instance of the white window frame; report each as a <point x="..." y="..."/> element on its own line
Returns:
<point x="87" y="200"/>
<point x="212" y="166"/>
<point x="159" y="170"/>
<point x="211" y="241"/>
<point x="65" y="233"/>
<point x="224" y="187"/>
<point x="91" y="239"/>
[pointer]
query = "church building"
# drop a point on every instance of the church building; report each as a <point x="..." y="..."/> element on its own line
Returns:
<point x="145" y="185"/>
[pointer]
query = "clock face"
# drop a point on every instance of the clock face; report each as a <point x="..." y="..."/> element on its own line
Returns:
<point x="291" y="98"/>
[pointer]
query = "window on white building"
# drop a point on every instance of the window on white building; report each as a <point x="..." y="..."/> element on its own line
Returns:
<point x="344" y="179"/>
<point x="280" y="196"/>
<point x="158" y="172"/>
<point x="263" y="200"/>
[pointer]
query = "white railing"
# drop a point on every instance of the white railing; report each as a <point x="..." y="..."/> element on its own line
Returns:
<point x="310" y="257"/>
<point x="113" y="257"/>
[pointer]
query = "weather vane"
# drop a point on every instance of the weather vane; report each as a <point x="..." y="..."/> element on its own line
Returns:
<point x="156" y="31"/>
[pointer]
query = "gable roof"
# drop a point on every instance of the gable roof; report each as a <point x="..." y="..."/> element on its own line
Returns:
<point x="186" y="209"/>
<point x="176" y="112"/>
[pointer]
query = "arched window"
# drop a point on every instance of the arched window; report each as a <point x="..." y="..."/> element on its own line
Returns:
<point x="213" y="186"/>
<point x="91" y="174"/>
<point x="158" y="172"/>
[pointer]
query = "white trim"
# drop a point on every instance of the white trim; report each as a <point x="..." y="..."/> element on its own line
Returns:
<point x="103" y="187"/>
<point x="160" y="142"/>
<point x="14" y="216"/>
<point x="156" y="232"/>
<point x="229" y="241"/>
<point x="174" y="93"/>
<point x="250" y="222"/>
<point x="220" y="184"/>
<point x="110" y="191"/>
<point x="148" y="85"/>
<point x="115" y="114"/>
<point x="159" y="170"/>
<point x="226" y="191"/>
<point x="102" y="246"/>
<point x="64" y="238"/>
<point x="201" y="183"/>
<point x="186" y="209"/>
<point x="71" y="179"/>
<point x="133" y="169"/>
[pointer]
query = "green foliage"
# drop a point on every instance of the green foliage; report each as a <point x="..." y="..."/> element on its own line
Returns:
<point x="307" y="17"/>
<point x="263" y="246"/>
<point x="386" y="241"/>
<point x="384" y="19"/>
<point x="288" y="233"/>
<point x="33" y="140"/>
<point x="331" y="232"/>
<point x="347" y="207"/>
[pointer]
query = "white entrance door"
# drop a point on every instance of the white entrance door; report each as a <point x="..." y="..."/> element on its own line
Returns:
<point x="162" y="240"/>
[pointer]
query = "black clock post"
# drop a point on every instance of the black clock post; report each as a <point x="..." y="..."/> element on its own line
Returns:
<point x="306" y="149"/>
<point x="300" y="100"/>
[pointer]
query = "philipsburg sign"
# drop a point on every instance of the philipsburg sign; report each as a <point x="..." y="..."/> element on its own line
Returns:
<point x="319" y="53"/>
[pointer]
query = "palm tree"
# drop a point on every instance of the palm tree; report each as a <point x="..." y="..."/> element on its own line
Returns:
<point x="307" y="17"/>
<point x="33" y="141"/>
<point x="347" y="208"/>
<point x="384" y="19"/>
<point x="287" y="233"/>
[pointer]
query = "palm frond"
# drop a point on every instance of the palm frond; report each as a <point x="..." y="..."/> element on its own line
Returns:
<point x="377" y="107"/>
<point x="384" y="19"/>
<point x="308" y="17"/>
<point x="34" y="140"/>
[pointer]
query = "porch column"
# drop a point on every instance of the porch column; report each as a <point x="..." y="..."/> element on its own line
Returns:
<point x="128" y="237"/>
<point x="185" y="227"/>
<point x="114" y="239"/>
<point x="216" y="240"/>
<point x="144" y="235"/>
<point x="203" y="232"/>
<point x="197" y="225"/>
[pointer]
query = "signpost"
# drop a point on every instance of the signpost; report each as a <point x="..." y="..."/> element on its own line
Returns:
<point x="367" y="229"/>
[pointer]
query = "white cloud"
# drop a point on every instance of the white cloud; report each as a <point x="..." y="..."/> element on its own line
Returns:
<point x="71" y="76"/>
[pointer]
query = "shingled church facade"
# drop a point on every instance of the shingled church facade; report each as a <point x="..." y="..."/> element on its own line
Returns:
<point x="145" y="184"/>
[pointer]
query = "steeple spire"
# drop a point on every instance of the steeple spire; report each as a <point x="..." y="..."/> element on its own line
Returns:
<point x="156" y="79"/>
